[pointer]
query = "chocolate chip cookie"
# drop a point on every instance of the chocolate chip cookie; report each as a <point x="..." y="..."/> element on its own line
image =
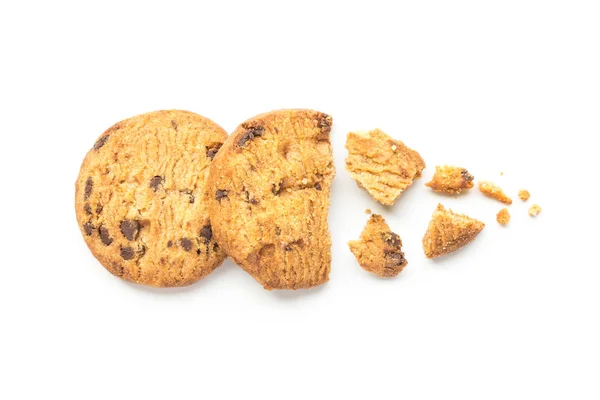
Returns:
<point x="379" y="250"/>
<point x="141" y="199"/>
<point x="269" y="198"/>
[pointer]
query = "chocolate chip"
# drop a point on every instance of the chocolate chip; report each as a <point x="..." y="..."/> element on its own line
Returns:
<point x="88" y="209"/>
<point x="206" y="233"/>
<point x="174" y="124"/>
<point x="99" y="208"/>
<point x="394" y="259"/>
<point x="466" y="176"/>
<point x="220" y="194"/>
<point x="88" y="228"/>
<point x="211" y="152"/>
<point x="251" y="133"/>
<point x="249" y="199"/>
<point x="215" y="246"/>
<point x="105" y="235"/>
<point x="189" y="193"/>
<point x="127" y="253"/>
<point x="392" y="239"/>
<point x="170" y="243"/>
<point x="324" y="123"/>
<point x="130" y="229"/>
<point x="156" y="182"/>
<point x="276" y="189"/>
<point x="253" y="201"/>
<point x="186" y="244"/>
<point x="101" y="142"/>
<point x="89" y="186"/>
<point x="318" y="186"/>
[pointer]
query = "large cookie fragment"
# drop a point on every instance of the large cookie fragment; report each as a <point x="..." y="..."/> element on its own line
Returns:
<point x="140" y="198"/>
<point x="448" y="232"/>
<point x="381" y="165"/>
<point x="379" y="250"/>
<point x="269" y="198"/>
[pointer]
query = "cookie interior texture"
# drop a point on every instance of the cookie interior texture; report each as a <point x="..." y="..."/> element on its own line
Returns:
<point x="269" y="187"/>
<point x="141" y="199"/>
<point x="450" y="180"/>
<point x="381" y="165"/>
<point x="379" y="250"/>
<point x="448" y="232"/>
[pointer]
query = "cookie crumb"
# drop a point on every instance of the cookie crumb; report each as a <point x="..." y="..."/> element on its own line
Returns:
<point x="503" y="217"/>
<point x="450" y="180"/>
<point x="379" y="250"/>
<point x="534" y="210"/>
<point x="368" y="211"/>
<point x="501" y="173"/>
<point x="494" y="191"/>
<point x="524" y="194"/>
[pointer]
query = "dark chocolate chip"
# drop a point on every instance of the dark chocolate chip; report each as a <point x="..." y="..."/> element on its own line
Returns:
<point x="253" y="201"/>
<point x="105" y="235"/>
<point x="394" y="259"/>
<point x="466" y="176"/>
<point x="276" y="189"/>
<point x="190" y="195"/>
<point x="186" y="244"/>
<point x="156" y="182"/>
<point x="130" y="229"/>
<point x="127" y="253"/>
<point x="99" y="208"/>
<point x="88" y="228"/>
<point x="215" y="246"/>
<point x="88" y="209"/>
<point x="89" y="186"/>
<point x="318" y="186"/>
<point x="101" y="142"/>
<point x="211" y="152"/>
<point x="174" y="124"/>
<point x="220" y="194"/>
<point x="206" y="233"/>
<point x="324" y="123"/>
<point x="251" y="133"/>
<point x="392" y="239"/>
<point x="170" y="243"/>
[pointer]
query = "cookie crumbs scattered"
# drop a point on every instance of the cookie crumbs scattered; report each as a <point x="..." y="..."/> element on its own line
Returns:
<point x="450" y="180"/>
<point x="524" y="194"/>
<point x="368" y="211"/>
<point x="503" y="217"/>
<point x="534" y="210"/>
<point x="494" y="191"/>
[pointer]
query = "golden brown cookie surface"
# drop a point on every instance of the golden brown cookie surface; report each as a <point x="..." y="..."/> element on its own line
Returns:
<point x="141" y="198"/>
<point x="379" y="250"/>
<point x="450" y="180"/>
<point x="448" y="232"/>
<point x="269" y="198"/>
<point x="381" y="165"/>
<point x="494" y="191"/>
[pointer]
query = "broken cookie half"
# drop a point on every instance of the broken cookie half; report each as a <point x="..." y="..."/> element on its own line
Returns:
<point x="448" y="232"/>
<point x="384" y="167"/>
<point x="379" y="250"/>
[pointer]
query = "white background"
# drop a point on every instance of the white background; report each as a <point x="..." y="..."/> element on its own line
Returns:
<point x="507" y="86"/>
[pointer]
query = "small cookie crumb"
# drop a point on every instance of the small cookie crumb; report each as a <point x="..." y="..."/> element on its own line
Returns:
<point x="524" y="195"/>
<point x="501" y="173"/>
<point x="503" y="217"/>
<point x="494" y="191"/>
<point x="450" y="180"/>
<point x="394" y="147"/>
<point x="534" y="210"/>
<point x="368" y="211"/>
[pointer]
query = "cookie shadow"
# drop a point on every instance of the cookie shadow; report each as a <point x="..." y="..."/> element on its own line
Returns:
<point x="172" y="291"/>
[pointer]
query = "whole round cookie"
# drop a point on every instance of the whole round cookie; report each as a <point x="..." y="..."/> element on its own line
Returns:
<point x="269" y="186"/>
<point x="141" y="199"/>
